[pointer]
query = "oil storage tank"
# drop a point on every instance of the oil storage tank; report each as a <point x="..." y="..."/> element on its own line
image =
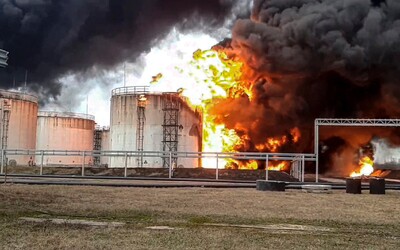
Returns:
<point x="149" y="121"/>
<point x="67" y="132"/>
<point x="18" y="115"/>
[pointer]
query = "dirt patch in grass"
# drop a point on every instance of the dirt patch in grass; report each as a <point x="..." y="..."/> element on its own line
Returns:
<point x="59" y="221"/>
<point x="275" y="227"/>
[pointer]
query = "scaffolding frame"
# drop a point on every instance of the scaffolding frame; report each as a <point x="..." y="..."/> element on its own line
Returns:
<point x="171" y="106"/>
<point x="346" y="123"/>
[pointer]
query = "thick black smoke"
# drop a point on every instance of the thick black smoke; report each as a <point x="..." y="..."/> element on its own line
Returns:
<point x="51" y="38"/>
<point x="317" y="58"/>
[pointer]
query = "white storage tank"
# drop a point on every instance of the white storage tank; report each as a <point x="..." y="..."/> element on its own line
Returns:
<point x="65" y="131"/>
<point x="145" y="121"/>
<point x="18" y="117"/>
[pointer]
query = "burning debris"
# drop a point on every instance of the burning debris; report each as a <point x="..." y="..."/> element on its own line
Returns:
<point x="365" y="167"/>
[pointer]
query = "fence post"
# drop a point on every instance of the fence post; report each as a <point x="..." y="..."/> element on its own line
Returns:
<point x="5" y="174"/>
<point x="303" y="167"/>
<point x="216" y="169"/>
<point x="2" y="161"/>
<point x="83" y="163"/>
<point x="170" y="162"/>
<point x="5" y="168"/>
<point x="41" y="162"/>
<point x="170" y="166"/>
<point x="266" y="167"/>
<point x="126" y="165"/>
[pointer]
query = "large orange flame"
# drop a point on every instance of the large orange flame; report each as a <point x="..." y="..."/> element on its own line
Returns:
<point x="274" y="143"/>
<point x="214" y="75"/>
<point x="365" y="167"/>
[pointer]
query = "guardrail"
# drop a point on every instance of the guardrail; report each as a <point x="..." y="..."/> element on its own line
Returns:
<point x="66" y="115"/>
<point x="297" y="171"/>
<point x="18" y="95"/>
<point x="136" y="90"/>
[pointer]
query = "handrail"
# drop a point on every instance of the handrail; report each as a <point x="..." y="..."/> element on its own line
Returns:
<point x="66" y="115"/>
<point x="134" y="90"/>
<point x="16" y="95"/>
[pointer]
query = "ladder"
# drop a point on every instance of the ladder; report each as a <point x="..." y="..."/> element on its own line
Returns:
<point x="141" y="118"/>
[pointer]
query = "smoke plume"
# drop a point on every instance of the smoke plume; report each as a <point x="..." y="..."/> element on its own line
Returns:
<point x="317" y="58"/>
<point x="53" y="39"/>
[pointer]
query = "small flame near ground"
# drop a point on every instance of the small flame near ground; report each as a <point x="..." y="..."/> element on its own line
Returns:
<point x="365" y="167"/>
<point x="253" y="165"/>
<point x="282" y="166"/>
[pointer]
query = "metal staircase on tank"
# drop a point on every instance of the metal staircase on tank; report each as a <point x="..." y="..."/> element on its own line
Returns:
<point x="141" y="118"/>
<point x="97" y="145"/>
<point x="171" y="106"/>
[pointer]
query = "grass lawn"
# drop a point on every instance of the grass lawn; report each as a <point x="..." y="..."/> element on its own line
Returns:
<point x="198" y="219"/>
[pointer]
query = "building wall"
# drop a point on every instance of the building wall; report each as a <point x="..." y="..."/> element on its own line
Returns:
<point x="123" y="130"/>
<point x="58" y="132"/>
<point x="22" y="123"/>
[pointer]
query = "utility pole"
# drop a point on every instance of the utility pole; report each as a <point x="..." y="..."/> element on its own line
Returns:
<point x="124" y="74"/>
<point x="26" y="81"/>
<point x="87" y="104"/>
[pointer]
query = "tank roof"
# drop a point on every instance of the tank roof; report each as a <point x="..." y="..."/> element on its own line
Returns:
<point x="102" y="128"/>
<point x="136" y="90"/>
<point x="16" y="95"/>
<point x="65" y="115"/>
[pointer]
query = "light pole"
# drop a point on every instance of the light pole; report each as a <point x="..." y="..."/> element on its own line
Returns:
<point x="3" y="58"/>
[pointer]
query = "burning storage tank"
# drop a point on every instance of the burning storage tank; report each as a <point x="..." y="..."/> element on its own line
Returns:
<point x="18" y="123"/>
<point x="147" y="121"/>
<point x="65" y="131"/>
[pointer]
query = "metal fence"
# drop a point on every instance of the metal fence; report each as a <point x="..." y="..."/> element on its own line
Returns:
<point x="297" y="160"/>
